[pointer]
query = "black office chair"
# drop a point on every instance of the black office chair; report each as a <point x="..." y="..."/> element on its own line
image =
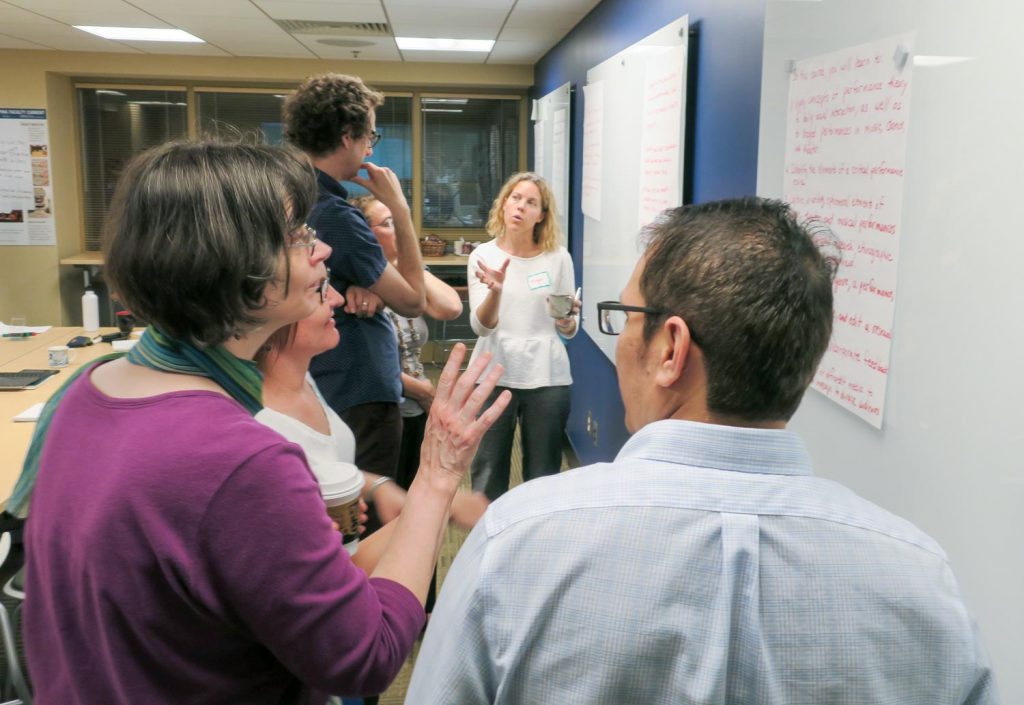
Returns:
<point x="15" y="684"/>
<point x="12" y="562"/>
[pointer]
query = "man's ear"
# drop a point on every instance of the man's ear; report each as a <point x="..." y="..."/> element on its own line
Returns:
<point x="674" y="351"/>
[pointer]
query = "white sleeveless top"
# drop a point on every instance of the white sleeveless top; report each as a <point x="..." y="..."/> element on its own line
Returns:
<point x="340" y="445"/>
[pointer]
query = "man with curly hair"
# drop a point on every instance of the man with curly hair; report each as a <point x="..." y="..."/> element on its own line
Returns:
<point x="332" y="118"/>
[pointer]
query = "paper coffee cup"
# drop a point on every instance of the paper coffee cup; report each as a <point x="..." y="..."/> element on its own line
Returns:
<point x="340" y="486"/>
<point x="560" y="305"/>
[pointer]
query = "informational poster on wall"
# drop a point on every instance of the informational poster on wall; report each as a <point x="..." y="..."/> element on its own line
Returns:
<point x="844" y="167"/>
<point x="539" y="165"/>
<point x="634" y="131"/>
<point x="660" y="143"/>
<point x="26" y="193"/>
<point x="551" y="133"/>
<point x="593" y="134"/>
<point x="559" y="155"/>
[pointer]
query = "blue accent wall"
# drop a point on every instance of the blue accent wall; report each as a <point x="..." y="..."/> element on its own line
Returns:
<point x="725" y="128"/>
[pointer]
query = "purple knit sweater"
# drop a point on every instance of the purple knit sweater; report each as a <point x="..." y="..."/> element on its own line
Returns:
<point x="178" y="552"/>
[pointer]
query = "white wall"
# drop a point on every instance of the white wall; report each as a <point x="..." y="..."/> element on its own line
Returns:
<point x="950" y="455"/>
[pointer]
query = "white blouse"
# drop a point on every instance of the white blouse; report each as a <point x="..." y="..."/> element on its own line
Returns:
<point x="525" y="340"/>
<point x="340" y="445"/>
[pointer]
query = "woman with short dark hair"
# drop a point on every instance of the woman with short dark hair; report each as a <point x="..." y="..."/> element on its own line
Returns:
<point x="177" y="549"/>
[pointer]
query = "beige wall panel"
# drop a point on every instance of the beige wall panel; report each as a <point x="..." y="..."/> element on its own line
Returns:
<point x="32" y="282"/>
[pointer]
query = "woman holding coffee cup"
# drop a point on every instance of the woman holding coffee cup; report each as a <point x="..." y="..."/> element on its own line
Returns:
<point x="294" y="407"/>
<point x="177" y="549"/>
<point x="522" y="307"/>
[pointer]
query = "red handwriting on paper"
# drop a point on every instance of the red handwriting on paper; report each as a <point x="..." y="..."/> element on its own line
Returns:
<point x="846" y="127"/>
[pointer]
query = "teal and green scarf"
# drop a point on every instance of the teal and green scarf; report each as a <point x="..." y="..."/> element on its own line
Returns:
<point x="239" y="378"/>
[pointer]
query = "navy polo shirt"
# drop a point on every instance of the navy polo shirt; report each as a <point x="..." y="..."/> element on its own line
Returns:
<point x="363" y="367"/>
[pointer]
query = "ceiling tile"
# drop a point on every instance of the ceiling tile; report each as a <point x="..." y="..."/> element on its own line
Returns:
<point x="63" y="38"/>
<point x="452" y="57"/>
<point x="531" y="19"/>
<point x="164" y="9"/>
<point x="10" y="13"/>
<point x="178" y="48"/>
<point x="246" y="37"/>
<point x="102" y="13"/>
<point x="440" y="22"/>
<point x="539" y="34"/>
<point x="15" y="43"/>
<point x="460" y="5"/>
<point x="323" y="11"/>
<point x="246" y="27"/>
<point x="240" y="26"/>
<point x="519" y="52"/>
<point x="578" y="7"/>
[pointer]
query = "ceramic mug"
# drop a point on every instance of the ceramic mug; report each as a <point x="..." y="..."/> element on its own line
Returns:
<point x="59" y="355"/>
<point x="560" y="305"/>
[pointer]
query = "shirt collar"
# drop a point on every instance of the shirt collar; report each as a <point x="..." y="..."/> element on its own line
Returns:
<point x="331" y="184"/>
<point x="766" y="451"/>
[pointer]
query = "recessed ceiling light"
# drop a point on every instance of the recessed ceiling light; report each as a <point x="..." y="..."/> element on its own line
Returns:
<point x="429" y="44"/>
<point x="446" y="101"/>
<point x="141" y="34"/>
<point x="928" y="61"/>
<point x="440" y="110"/>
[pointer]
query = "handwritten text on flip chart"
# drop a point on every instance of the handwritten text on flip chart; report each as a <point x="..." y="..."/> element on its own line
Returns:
<point x="593" y="158"/>
<point x="845" y="154"/>
<point x="660" y="182"/>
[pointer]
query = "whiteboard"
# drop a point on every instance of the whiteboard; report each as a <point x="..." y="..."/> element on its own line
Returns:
<point x="551" y="121"/>
<point x="610" y="243"/>
<point x="950" y="455"/>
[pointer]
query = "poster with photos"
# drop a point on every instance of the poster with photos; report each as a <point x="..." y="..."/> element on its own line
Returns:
<point x="26" y="190"/>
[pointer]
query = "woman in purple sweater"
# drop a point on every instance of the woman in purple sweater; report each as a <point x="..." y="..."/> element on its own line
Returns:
<point x="178" y="550"/>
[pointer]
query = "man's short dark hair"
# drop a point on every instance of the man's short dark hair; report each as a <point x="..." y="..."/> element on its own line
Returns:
<point x="196" y="231"/>
<point x="756" y="288"/>
<point x="324" y="108"/>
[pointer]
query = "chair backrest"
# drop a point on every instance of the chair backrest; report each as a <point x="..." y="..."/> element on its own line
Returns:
<point x="15" y="682"/>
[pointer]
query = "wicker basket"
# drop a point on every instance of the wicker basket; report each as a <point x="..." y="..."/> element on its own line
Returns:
<point x="432" y="246"/>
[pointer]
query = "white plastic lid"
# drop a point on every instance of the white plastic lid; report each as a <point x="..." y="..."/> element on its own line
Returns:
<point x="338" y="479"/>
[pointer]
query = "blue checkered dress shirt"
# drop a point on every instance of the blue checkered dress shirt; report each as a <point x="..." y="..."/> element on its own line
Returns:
<point x="707" y="564"/>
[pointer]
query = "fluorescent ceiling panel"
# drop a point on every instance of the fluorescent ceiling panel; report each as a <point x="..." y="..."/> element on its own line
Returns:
<point x="141" y="34"/>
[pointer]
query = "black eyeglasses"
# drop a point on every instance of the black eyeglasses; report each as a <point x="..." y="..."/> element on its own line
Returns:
<point x="305" y="236"/>
<point x="612" y="317"/>
<point x="324" y="286"/>
<point x="375" y="137"/>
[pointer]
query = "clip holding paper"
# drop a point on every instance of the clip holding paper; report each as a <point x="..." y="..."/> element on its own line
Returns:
<point x="534" y="113"/>
<point x="900" y="57"/>
<point x="790" y="66"/>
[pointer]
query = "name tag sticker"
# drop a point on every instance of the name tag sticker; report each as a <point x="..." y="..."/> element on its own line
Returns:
<point x="538" y="280"/>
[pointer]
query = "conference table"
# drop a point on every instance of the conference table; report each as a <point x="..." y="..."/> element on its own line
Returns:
<point x="31" y="353"/>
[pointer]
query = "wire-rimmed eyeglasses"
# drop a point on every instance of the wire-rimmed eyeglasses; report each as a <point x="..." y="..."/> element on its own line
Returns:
<point x="324" y="286"/>
<point x="612" y="317"/>
<point x="304" y="236"/>
<point x="375" y="138"/>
